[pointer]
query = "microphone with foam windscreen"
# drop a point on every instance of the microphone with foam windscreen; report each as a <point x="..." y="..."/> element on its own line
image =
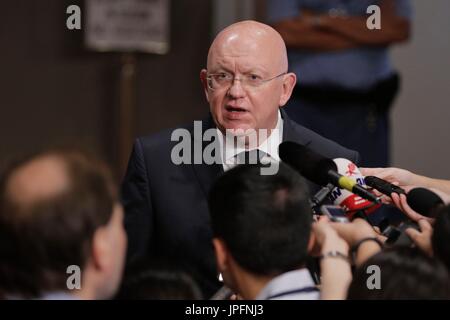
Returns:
<point x="424" y="201"/>
<point x="319" y="169"/>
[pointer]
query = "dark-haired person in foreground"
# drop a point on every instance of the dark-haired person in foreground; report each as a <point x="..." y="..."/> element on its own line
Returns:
<point x="404" y="273"/>
<point x="59" y="211"/>
<point x="157" y="280"/>
<point x="440" y="238"/>
<point x="261" y="226"/>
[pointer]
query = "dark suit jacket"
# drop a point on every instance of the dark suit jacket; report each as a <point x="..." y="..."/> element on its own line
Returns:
<point x="166" y="204"/>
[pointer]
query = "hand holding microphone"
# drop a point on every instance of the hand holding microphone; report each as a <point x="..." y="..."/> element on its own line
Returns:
<point x="395" y="176"/>
<point x="405" y="178"/>
<point x="351" y="202"/>
<point x="383" y="186"/>
<point x="418" y="204"/>
<point x="422" y="237"/>
<point x="319" y="169"/>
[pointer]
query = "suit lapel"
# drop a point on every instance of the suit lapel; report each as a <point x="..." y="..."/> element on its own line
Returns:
<point x="289" y="132"/>
<point x="206" y="173"/>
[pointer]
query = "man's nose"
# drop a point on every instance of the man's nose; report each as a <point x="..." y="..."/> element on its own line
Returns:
<point x="236" y="90"/>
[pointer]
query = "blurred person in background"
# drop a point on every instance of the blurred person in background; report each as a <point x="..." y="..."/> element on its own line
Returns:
<point x="346" y="81"/>
<point x="59" y="208"/>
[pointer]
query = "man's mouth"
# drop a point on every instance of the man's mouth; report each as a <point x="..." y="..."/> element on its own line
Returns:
<point x="235" y="109"/>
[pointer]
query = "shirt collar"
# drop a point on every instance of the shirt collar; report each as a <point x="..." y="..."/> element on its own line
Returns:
<point x="288" y="281"/>
<point x="268" y="146"/>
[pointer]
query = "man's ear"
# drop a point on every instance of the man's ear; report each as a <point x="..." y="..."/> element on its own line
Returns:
<point x="204" y="80"/>
<point x="221" y="254"/>
<point x="101" y="251"/>
<point x="289" y="82"/>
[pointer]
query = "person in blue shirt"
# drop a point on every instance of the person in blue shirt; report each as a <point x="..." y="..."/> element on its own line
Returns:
<point x="346" y="82"/>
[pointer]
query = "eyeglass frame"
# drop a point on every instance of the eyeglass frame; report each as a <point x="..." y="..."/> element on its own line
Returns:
<point x="209" y="78"/>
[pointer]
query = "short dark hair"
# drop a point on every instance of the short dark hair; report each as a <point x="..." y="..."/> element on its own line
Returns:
<point x="406" y="273"/>
<point x="157" y="280"/>
<point x="39" y="240"/>
<point x="265" y="220"/>
<point x="441" y="235"/>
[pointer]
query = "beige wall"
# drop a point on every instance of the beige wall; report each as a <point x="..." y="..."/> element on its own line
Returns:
<point x="421" y="116"/>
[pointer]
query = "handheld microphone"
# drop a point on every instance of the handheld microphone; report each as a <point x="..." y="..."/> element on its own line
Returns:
<point x="421" y="200"/>
<point x="424" y="201"/>
<point x="319" y="169"/>
<point x="397" y="236"/>
<point x="383" y="186"/>
<point x="321" y="195"/>
<point x="351" y="202"/>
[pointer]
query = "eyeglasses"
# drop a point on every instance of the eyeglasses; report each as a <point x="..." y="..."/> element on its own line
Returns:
<point x="225" y="80"/>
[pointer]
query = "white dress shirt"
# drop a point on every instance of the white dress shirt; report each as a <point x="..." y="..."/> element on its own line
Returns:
<point x="269" y="146"/>
<point x="292" y="285"/>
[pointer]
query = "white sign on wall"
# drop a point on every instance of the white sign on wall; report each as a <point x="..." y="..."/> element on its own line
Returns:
<point x="127" y="25"/>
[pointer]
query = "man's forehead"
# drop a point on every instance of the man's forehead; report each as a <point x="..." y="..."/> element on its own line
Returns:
<point x="255" y="42"/>
<point x="241" y="63"/>
<point x="237" y="43"/>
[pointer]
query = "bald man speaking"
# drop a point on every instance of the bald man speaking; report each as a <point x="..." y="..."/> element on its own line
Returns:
<point x="165" y="190"/>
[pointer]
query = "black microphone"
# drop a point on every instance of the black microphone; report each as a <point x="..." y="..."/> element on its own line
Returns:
<point x="383" y="186"/>
<point x="424" y="201"/>
<point x="397" y="235"/>
<point x="319" y="169"/>
<point x="421" y="200"/>
<point x="321" y="195"/>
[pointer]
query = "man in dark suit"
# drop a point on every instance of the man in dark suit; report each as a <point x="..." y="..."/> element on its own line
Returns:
<point x="246" y="82"/>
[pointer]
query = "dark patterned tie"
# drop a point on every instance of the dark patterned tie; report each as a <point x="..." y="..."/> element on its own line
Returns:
<point x="250" y="157"/>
